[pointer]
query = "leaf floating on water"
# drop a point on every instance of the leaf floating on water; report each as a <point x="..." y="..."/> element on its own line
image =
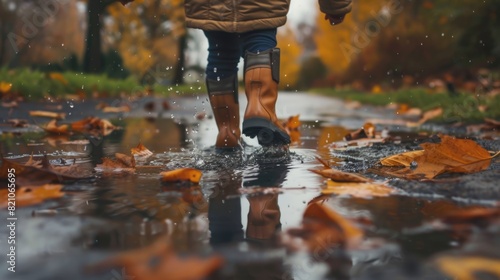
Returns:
<point x="93" y="125"/>
<point x="451" y="155"/>
<point x="141" y="151"/>
<point x="340" y="176"/>
<point x="32" y="195"/>
<point x="362" y="190"/>
<point x="18" y="123"/>
<point x="47" y="114"/>
<point x="121" y="163"/>
<point x="159" y="261"/>
<point x="53" y="128"/>
<point x="183" y="174"/>
<point x="471" y="215"/>
<point x="467" y="267"/>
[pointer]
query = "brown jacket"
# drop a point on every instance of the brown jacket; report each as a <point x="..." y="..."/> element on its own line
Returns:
<point x="238" y="16"/>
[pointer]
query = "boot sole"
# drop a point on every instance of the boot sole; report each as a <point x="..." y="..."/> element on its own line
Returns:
<point x="266" y="132"/>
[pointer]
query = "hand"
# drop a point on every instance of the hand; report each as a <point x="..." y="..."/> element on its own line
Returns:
<point x="334" y="20"/>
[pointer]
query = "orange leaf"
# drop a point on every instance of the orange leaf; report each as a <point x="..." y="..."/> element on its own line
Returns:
<point x="451" y="155"/>
<point x="363" y="190"/>
<point x="293" y="123"/>
<point x="340" y="176"/>
<point x="27" y="196"/>
<point x="141" y="151"/>
<point x="47" y="114"/>
<point x="404" y="159"/>
<point x="182" y="174"/>
<point x="122" y="163"/>
<point x="52" y="127"/>
<point x="158" y="261"/>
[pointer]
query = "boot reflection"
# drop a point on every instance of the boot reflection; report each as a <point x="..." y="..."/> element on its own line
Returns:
<point x="224" y="214"/>
<point x="263" y="217"/>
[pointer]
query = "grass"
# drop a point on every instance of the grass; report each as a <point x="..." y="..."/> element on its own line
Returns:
<point x="36" y="85"/>
<point x="461" y="107"/>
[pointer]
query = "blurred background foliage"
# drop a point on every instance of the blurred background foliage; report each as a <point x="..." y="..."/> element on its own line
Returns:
<point x="382" y="45"/>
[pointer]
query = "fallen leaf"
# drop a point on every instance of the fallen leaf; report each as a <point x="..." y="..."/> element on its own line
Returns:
<point x="41" y="172"/>
<point x="467" y="267"/>
<point x="94" y="126"/>
<point x="404" y="159"/>
<point x="32" y="195"/>
<point x="428" y="115"/>
<point x="182" y="174"/>
<point x="53" y="128"/>
<point x="337" y="175"/>
<point x="47" y="114"/>
<point x="121" y="163"/>
<point x="362" y="190"/>
<point x="58" y="77"/>
<point x="473" y="215"/>
<point x="141" y="151"/>
<point x="11" y="104"/>
<point x="293" y="123"/>
<point x="159" y="261"/>
<point x="451" y="155"/>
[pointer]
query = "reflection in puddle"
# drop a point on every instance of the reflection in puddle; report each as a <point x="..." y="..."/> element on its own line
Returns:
<point x="215" y="215"/>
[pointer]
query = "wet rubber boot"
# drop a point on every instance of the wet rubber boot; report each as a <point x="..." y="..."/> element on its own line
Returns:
<point x="261" y="89"/>
<point x="223" y="96"/>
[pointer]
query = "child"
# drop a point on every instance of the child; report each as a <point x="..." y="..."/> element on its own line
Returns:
<point x="247" y="28"/>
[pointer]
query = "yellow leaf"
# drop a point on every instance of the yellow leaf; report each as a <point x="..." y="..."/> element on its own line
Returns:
<point x="182" y="174"/>
<point x="58" y="77"/>
<point x="52" y="127"/>
<point x="27" y="196"/>
<point x="465" y="268"/>
<point x="362" y="190"/>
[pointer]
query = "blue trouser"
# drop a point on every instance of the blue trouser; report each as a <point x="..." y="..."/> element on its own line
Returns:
<point x="225" y="49"/>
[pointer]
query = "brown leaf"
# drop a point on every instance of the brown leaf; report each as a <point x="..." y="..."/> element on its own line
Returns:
<point x="340" y="176"/>
<point x="182" y="174"/>
<point x="404" y="159"/>
<point x="158" y="262"/>
<point x="472" y="215"/>
<point x="362" y="190"/>
<point x="428" y="115"/>
<point x="120" y="109"/>
<point x="47" y="114"/>
<point x="93" y="125"/>
<point x="367" y="131"/>
<point x="39" y="173"/>
<point x="141" y="151"/>
<point x="293" y="123"/>
<point x="122" y="163"/>
<point x="53" y="128"/>
<point x="18" y="123"/>
<point x="32" y="195"/>
<point x="451" y="155"/>
<point x="466" y="267"/>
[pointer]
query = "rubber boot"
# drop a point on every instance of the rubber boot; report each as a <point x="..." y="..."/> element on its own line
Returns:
<point x="223" y="96"/>
<point x="261" y="89"/>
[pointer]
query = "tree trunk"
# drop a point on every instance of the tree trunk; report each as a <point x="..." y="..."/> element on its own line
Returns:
<point x="179" y="69"/>
<point x="93" y="58"/>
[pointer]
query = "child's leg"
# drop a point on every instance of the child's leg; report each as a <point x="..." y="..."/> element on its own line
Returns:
<point x="221" y="78"/>
<point x="262" y="62"/>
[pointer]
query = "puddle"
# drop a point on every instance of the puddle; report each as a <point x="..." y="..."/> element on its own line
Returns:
<point x="112" y="213"/>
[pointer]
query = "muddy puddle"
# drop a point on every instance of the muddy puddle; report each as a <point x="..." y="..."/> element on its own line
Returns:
<point x="107" y="214"/>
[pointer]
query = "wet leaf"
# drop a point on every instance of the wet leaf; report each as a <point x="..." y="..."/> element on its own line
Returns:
<point x="362" y="190"/>
<point x="121" y="163"/>
<point x="451" y="155"/>
<point x="58" y="77"/>
<point x="48" y="114"/>
<point x="120" y="109"/>
<point x="404" y="159"/>
<point x="182" y="174"/>
<point x="472" y="215"/>
<point x="141" y="151"/>
<point x="293" y="123"/>
<point x="367" y="131"/>
<point x="428" y="115"/>
<point x="465" y="268"/>
<point x="32" y="195"/>
<point x="159" y="261"/>
<point x="94" y="126"/>
<point x="337" y="175"/>
<point x="53" y="128"/>
<point x="41" y="172"/>
<point x="11" y="104"/>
